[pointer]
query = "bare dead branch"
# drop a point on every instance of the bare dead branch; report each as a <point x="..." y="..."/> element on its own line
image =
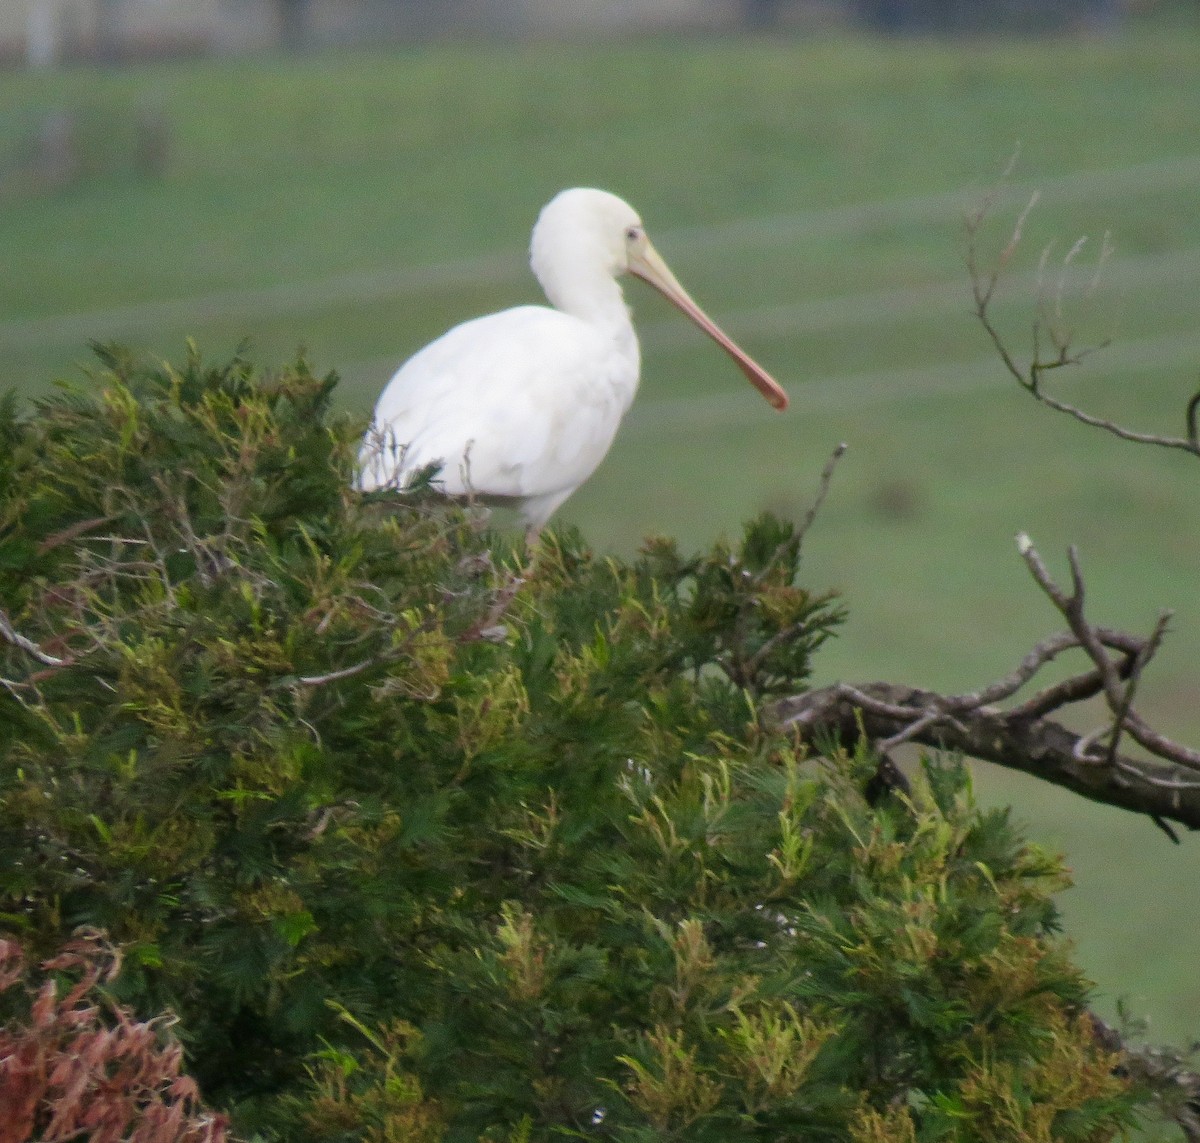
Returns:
<point x="1118" y="697"/>
<point x="1121" y="714"/>
<point x="1003" y="688"/>
<point x="1186" y="444"/>
<point x="1040" y="747"/>
<point x="797" y="537"/>
<point x="1071" y="609"/>
<point x="1049" y="322"/>
<point x="822" y="490"/>
<point x="1166" y="786"/>
<point x="1071" y="690"/>
<point x="869" y="700"/>
<point x="1077" y="688"/>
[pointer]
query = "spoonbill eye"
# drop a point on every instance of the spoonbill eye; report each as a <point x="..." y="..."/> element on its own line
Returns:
<point x="633" y="233"/>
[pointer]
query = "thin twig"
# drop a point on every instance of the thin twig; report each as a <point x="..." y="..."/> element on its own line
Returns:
<point x="822" y="490"/>
<point x="1003" y="688"/>
<point x="1193" y="434"/>
<point x="1084" y="748"/>
<point x="1188" y="444"/>
<point x="1075" y="689"/>
<point x="1121" y="714"/>
<point x="797" y="537"/>
<point x="922" y="722"/>
<point x="1119" y="703"/>
<point x="11" y="635"/>
<point x="344" y="673"/>
<point x="783" y="636"/>
<point x="73" y="531"/>
<point x="1168" y="783"/>
<point x="874" y="705"/>
<point x="1050" y="317"/>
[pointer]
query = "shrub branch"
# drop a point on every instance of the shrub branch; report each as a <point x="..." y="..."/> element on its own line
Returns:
<point x="1166" y="785"/>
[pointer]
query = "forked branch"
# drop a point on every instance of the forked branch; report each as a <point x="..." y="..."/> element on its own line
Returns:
<point x="1053" y="342"/>
<point x="1164" y="783"/>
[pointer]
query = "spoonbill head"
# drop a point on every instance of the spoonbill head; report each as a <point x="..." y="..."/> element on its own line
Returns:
<point x="521" y="406"/>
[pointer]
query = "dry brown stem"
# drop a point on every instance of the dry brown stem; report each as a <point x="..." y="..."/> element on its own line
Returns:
<point x="1053" y="342"/>
<point x="1165" y="785"/>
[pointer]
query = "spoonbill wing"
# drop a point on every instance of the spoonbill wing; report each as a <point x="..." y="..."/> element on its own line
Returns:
<point x="520" y="404"/>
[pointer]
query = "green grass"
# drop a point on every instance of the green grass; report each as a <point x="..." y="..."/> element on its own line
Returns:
<point x="810" y="193"/>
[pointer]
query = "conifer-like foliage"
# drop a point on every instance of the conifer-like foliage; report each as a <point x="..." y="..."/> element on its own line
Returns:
<point x="424" y="839"/>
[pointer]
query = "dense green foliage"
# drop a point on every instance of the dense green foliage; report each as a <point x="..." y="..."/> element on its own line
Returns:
<point x="426" y="838"/>
<point x="807" y="189"/>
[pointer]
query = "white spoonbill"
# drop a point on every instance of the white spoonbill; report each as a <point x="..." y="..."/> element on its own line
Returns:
<point x="521" y="406"/>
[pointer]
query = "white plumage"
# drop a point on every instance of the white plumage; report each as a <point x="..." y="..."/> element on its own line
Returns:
<point x="521" y="406"/>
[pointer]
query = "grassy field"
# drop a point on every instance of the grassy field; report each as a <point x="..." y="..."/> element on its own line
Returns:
<point x="810" y="193"/>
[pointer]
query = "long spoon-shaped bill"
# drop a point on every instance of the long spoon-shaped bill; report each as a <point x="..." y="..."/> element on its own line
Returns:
<point x="648" y="265"/>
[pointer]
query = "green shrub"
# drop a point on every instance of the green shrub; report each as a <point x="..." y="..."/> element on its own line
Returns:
<point x="423" y="839"/>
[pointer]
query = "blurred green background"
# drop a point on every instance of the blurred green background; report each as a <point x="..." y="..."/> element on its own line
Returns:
<point x="809" y="191"/>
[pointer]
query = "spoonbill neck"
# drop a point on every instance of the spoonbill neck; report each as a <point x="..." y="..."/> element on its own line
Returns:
<point x="594" y="297"/>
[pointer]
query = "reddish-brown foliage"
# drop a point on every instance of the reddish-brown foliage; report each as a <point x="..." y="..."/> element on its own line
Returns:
<point x="78" y="1066"/>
